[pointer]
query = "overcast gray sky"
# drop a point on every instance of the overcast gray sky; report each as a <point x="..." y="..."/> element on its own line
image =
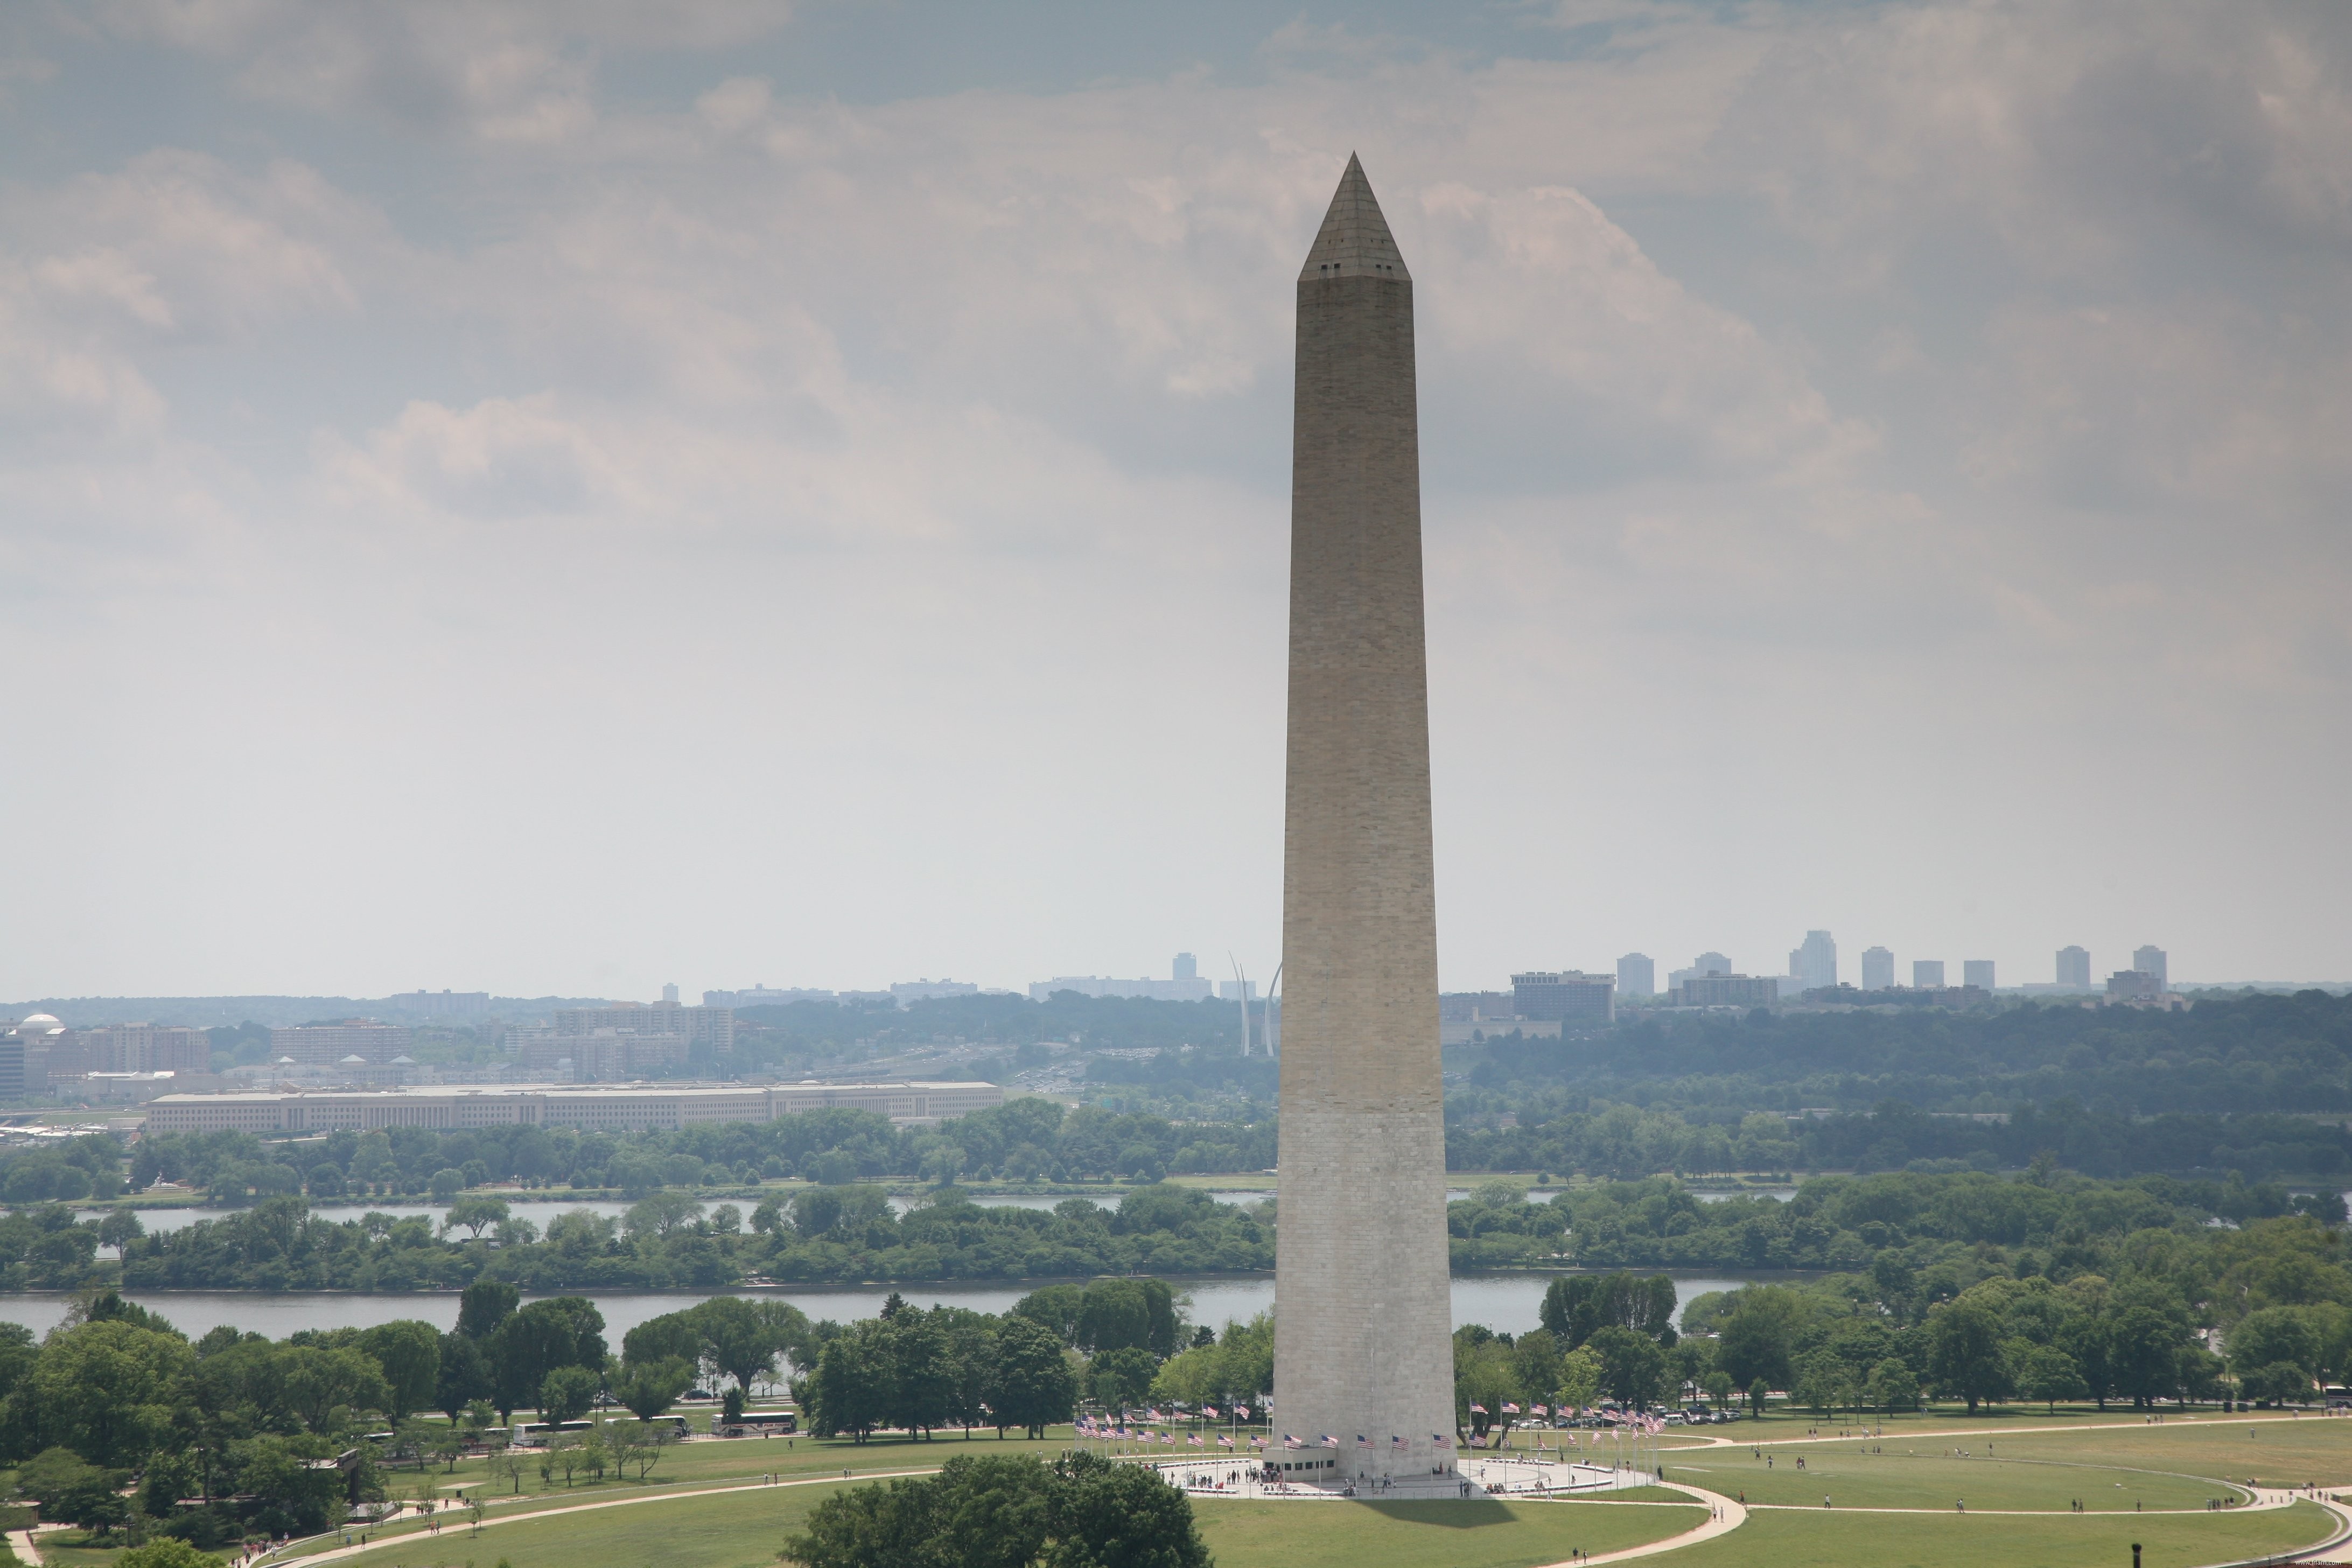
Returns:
<point x="562" y="497"/>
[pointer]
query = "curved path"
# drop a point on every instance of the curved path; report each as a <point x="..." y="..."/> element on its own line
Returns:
<point x="1724" y="1514"/>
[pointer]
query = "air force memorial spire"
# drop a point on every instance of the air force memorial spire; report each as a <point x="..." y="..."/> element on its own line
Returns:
<point x="1363" y="1374"/>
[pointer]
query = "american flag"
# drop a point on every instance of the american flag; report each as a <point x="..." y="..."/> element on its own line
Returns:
<point x="1210" y="1411"/>
<point x="1329" y="1441"/>
<point x="1362" y="1441"/>
<point x="1395" y="1441"/>
<point x="1441" y="1439"/>
<point x="1223" y="1441"/>
<point x="1290" y="1442"/>
<point x="1478" y="1410"/>
<point x="1538" y="1410"/>
<point x="1194" y="1441"/>
<point x="1510" y="1408"/>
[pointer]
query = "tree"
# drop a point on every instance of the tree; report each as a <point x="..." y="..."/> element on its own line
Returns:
<point x="563" y="1330"/>
<point x="2048" y="1374"/>
<point x="1965" y="1354"/>
<point x="1893" y="1387"/>
<point x="166" y="1551"/>
<point x="318" y="1382"/>
<point x="660" y="1215"/>
<point x="1035" y="1386"/>
<point x="2143" y="1353"/>
<point x="567" y="1393"/>
<point x="1632" y="1367"/>
<point x="409" y="1354"/>
<point x="1007" y="1511"/>
<point x="649" y="1388"/>
<point x="486" y="1304"/>
<point x="462" y="1377"/>
<point x="1122" y="1375"/>
<point x="850" y="1390"/>
<point x="2275" y="1335"/>
<point x="476" y="1215"/>
<point x="2278" y="1383"/>
<point x="1580" y="1378"/>
<point x="1577" y="1306"/>
<point x="1758" y="1334"/>
<point x="107" y="1390"/>
<point x="446" y="1184"/>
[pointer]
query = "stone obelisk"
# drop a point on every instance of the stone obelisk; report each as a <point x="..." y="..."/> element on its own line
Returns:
<point x="1363" y="1325"/>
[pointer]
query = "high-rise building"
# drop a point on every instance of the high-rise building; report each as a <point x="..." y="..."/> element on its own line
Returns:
<point x="1716" y="989"/>
<point x="1363" y="1346"/>
<point x="2135" y="986"/>
<point x="2150" y="961"/>
<point x="1637" y="975"/>
<point x="669" y="996"/>
<point x="1877" y="968"/>
<point x="2075" y="968"/>
<point x="1927" y="974"/>
<point x="1187" y="967"/>
<point x="1977" y="972"/>
<point x="1814" y="964"/>
<point x="440" y="1004"/>
<point x="1570" y="995"/>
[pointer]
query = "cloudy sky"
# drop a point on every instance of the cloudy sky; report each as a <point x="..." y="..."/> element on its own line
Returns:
<point x="567" y="496"/>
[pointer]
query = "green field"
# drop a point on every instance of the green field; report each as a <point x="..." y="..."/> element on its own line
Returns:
<point x="1949" y="1541"/>
<point x="1896" y="1478"/>
<point x="743" y="1530"/>
<point x="2277" y="1453"/>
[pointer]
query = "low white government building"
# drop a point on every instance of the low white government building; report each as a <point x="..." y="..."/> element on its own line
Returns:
<point x="599" y="1108"/>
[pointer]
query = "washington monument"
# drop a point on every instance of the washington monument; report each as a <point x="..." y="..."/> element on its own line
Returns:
<point x="1363" y="1333"/>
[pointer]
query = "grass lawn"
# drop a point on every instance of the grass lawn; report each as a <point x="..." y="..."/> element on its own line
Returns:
<point x="2279" y="1453"/>
<point x="744" y="1530"/>
<point x="1949" y="1541"/>
<point x="1487" y="1531"/>
<point x="1897" y="1478"/>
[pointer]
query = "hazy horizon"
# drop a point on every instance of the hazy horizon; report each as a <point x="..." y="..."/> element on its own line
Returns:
<point x="558" y="500"/>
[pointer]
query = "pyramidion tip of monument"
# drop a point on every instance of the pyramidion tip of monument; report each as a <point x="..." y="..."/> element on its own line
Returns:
<point x="1354" y="241"/>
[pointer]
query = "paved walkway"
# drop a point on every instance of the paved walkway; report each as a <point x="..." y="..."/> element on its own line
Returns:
<point x="1724" y="1516"/>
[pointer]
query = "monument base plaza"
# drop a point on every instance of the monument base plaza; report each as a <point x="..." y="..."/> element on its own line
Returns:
<point x="1472" y="1476"/>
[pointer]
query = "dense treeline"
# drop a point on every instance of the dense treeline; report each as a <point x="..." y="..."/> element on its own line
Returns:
<point x="1969" y="1288"/>
<point x="1029" y="1139"/>
<point x="1564" y="1133"/>
<point x="2267" y="1052"/>
<point x="820" y="1234"/>
<point x="1839" y="1222"/>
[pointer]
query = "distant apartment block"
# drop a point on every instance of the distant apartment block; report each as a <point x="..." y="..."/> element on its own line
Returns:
<point x="2075" y="968"/>
<point x="38" y="1054"/>
<point x="713" y="1027"/>
<point x="1877" y="968"/>
<point x="2150" y="961"/>
<point x="2135" y="986"/>
<point x="1236" y="990"/>
<point x="1705" y="964"/>
<point x="1477" y="1006"/>
<point x="1637" y="975"/>
<point x="1184" y="984"/>
<point x="325" y="1045"/>
<point x="440" y="1004"/>
<point x="1719" y="990"/>
<point x="906" y="991"/>
<point x="1926" y="974"/>
<point x="1977" y="972"/>
<point x="761" y="997"/>
<point x="1567" y="995"/>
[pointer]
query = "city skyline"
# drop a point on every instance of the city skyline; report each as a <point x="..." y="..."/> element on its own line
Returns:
<point x="531" y="496"/>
